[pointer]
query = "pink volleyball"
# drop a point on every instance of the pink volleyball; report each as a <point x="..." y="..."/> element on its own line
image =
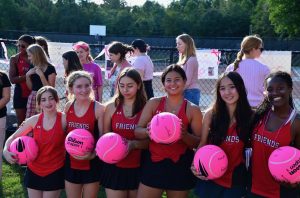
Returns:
<point x="210" y="161"/>
<point x="112" y="148"/>
<point x="79" y="142"/>
<point x="284" y="164"/>
<point x="25" y="148"/>
<point x="165" y="128"/>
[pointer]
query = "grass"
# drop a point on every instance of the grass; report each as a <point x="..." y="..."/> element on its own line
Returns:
<point x="11" y="185"/>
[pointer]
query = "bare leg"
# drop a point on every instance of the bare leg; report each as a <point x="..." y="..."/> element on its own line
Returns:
<point x="73" y="190"/>
<point x="32" y="193"/>
<point x="91" y="190"/>
<point x="148" y="192"/>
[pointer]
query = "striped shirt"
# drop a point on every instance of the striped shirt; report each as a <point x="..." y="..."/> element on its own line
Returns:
<point x="253" y="74"/>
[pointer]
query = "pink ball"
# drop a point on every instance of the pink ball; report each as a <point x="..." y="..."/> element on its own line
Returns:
<point x="112" y="148"/>
<point x="26" y="149"/>
<point x="165" y="128"/>
<point x="211" y="161"/>
<point x="79" y="142"/>
<point x="284" y="164"/>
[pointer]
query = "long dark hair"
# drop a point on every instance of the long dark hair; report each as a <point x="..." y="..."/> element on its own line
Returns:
<point x="220" y="115"/>
<point x="141" y="97"/>
<point x="265" y="106"/>
<point x="118" y="47"/>
<point x="73" y="62"/>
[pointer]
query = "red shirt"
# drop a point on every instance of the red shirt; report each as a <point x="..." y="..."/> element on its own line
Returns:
<point x="125" y="127"/>
<point x="51" y="145"/>
<point x="264" y="142"/>
<point x="172" y="151"/>
<point x="23" y="67"/>
<point x="233" y="147"/>
<point x="87" y="121"/>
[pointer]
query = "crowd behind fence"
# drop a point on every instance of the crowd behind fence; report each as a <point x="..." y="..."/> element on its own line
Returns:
<point x="161" y="57"/>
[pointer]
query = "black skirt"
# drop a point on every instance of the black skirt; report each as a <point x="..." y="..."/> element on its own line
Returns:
<point x="84" y="176"/>
<point x="167" y="174"/>
<point x="117" y="178"/>
<point x="51" y="182"/>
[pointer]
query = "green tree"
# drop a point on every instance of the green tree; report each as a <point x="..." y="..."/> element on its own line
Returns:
<point x="260" y="21"/>
<point x="285" y="16"/>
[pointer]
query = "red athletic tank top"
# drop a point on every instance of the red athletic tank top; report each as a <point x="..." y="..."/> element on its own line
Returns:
<point x="233" y="147"/>
<point x="23" y="67"/>
<point x="172" y="151"/>
<point x="87" y="121"/>
<point x="125" y="127"/>
<point x="263" y="143"/>
<point x="51" y="147"/>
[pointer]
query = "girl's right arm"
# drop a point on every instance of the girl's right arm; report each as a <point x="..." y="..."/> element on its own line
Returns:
<point x="108" y="112"/>
<point x="13" y="74"/>
<point x="205" y="127"/>
<point x="24" y="129"/>
<point x="203" y="140"/>
<point x="141" y="130"/>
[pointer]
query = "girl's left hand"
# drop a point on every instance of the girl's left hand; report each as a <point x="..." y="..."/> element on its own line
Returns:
<point x="287" y="184"/>
<point x="87" y="156"/>
<point x="197" y="173"/>
<point x="131" y="145"/>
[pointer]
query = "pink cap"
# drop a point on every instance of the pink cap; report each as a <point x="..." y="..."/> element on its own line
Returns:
<point x="82" y="45"/>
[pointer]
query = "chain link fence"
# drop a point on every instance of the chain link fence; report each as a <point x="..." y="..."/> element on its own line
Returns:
<point x="161" y="57"/>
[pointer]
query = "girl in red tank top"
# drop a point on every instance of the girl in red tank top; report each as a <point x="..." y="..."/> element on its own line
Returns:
<point x="167" y="167"/>
<point x="121" y="116"/>
<point x="225" y="125"/>
<point x="275" y="124"/>
<point x="45" y="175"/>
<point x="18" y="66"/>
<point x="83" y="173"/>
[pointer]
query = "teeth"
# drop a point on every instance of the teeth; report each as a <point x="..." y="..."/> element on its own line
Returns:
<point x="277" y="98"/>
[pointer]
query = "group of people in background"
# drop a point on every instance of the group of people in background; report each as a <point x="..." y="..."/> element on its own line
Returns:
<point x="252" y="110"/>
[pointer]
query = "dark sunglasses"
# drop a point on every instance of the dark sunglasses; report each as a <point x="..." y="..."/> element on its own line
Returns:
<point x="21" y="46"/>
<point x="261" y="49"/>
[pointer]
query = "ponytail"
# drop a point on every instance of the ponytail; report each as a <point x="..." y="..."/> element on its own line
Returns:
<point x="238" y="59"/>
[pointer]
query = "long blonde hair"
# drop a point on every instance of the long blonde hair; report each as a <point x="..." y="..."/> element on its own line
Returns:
<point x="71" y="80"/>
<point x="249" y="42"/>
<point x="39" y="57"/>
<point x="190" y="49"/>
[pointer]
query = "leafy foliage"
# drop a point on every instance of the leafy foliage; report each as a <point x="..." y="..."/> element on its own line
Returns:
<point x="196" y="17"/>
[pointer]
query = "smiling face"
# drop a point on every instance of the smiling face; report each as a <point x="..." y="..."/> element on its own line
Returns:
<point x="81" y="88"/>
<point x="278" y="91"/>
<point x="174" y="83"/>
<point x="47" y="102"/>
<point x="128" y="87"/>
<point x="228" y="91"/>
<point x="180" y="45"/>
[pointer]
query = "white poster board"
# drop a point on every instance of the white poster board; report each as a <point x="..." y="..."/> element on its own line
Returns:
<point x="98" y="30"/>
<point x="208" y="60"/>
<point x="277" y="60"/>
